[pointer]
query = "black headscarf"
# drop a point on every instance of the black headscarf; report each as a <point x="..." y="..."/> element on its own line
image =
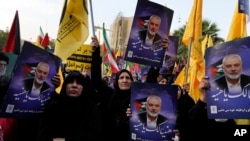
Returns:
<point x="122" y="101"/>
<point x="83" y="80"/>
<point x="4" y="57"/>
<point x="117" y="78"/>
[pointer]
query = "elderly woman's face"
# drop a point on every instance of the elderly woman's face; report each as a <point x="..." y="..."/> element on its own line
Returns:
<point x="74" y="89"/>
<point x="124" y="81"/>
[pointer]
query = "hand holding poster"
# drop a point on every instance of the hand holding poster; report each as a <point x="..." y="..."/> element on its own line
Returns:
<point x="170" y="56"/>
<point x="149" y="30"/>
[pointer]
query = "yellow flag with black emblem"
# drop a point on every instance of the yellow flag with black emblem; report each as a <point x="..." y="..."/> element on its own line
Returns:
<point x="73" y="29"/>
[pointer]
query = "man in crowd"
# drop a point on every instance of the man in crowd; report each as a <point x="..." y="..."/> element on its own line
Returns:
<point x="152" y="117"/>
<point x="36" y="87"/>
<point x="150" y="37"/>
<point x="233" y="82"/>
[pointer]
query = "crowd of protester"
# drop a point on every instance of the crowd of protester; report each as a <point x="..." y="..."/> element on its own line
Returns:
<point x="93" y="107"/>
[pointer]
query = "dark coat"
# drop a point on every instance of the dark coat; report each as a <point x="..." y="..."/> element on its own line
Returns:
<point x="4" y="84"/>
<point x="152" y="75"/>
<point x="143" y="35"/>
<point x="160" y="119"/>
<point x="28" y="83"/>
<point x="72" y="118"/>
<point x="113" y="103"/>
<point x="222" y="83"/>
<point x="207" y="129"/>
<point x="185" y="103"/>
<point x="156" y="41"/>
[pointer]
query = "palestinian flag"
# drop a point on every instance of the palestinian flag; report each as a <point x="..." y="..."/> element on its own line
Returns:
<point x="140" y="104"/>
<point x="143" y="22"/>
<point x="29" y="70"/>
<point x="13" y="40"/>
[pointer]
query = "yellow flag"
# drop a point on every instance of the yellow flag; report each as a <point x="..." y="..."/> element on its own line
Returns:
<point x="193" y="30"/>
<point x="204" y="44"/>
<point x="210" y="41"/>
<point x="118" y="53"/>
<point x="238" y="27"/>
<point x="73" y="29"/>
<point x="58" y="89"/>
<point x="180" y="78"/>
<point x="195" y="19"/>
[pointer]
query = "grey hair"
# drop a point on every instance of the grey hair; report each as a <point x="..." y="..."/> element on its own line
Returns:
<point x="231" y="56"/>
<point x="153" y="96"/>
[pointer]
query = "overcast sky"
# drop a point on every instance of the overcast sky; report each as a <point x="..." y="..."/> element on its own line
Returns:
<point x="46" y="13"/>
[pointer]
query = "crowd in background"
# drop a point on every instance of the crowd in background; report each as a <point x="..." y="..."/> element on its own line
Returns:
<point x="94" y="107"/>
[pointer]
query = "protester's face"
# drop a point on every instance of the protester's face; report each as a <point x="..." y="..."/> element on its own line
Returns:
<point x="154" y="25"/>
<point x="186" y="87"/>
<point x="3" y="65"/>
<point x="124" y="81"/>
<point x="41" y="73"/>
<point x="84" y="72"/>
<point x="74" y="89"/>
<point x="67" y="69"/>
<point x="153" y="107"/>
<point x="232" y="67"/>
<point x="163" y="81"/>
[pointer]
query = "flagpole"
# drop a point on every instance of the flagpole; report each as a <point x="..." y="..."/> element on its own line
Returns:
<point x="188" y="60"/>
<point x="92" y="18"/>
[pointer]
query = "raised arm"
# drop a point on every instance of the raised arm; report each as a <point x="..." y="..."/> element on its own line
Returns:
<point x="152" y="75"/>
<point x="96" y="75"/>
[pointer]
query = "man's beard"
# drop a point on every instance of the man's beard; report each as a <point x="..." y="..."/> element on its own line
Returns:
<point x="151" y="32"/>
<point x="39" y="81"/>
<point x="3" y="72"/>
<point x="153" y="114"/>
<point x="233" y="76"/>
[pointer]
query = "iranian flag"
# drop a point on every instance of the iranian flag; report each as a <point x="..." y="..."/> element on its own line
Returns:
<point x="43" y="40"/>
<point x="110" y="56"/>
<point x="39" y="37"/>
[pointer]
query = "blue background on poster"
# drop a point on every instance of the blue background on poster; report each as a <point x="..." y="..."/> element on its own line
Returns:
<point x="170" y="56"/>
<point x="135" y="52"/>
<point x="16" y="103"/>
<point x="219" y="104"/>
<point x="168" y="94"/>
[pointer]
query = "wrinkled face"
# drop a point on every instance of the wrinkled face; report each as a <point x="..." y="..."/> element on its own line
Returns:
<point x="41" y="73"/>
<point x="124" y="81"/>
<point x="74" y="89"/>
<point x="232" y="67"/>
<point x="154" y="25"/>
<point x="153" y="106"/>
<point x="3" y="65"/>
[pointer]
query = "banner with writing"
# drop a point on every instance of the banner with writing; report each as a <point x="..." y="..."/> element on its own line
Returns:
<point x="228" y="69"/>
<point x="154" y="109"/>
<point x="151" y="25"/>
<point x="30" y="88"/>
<point x="80" y="59"/>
